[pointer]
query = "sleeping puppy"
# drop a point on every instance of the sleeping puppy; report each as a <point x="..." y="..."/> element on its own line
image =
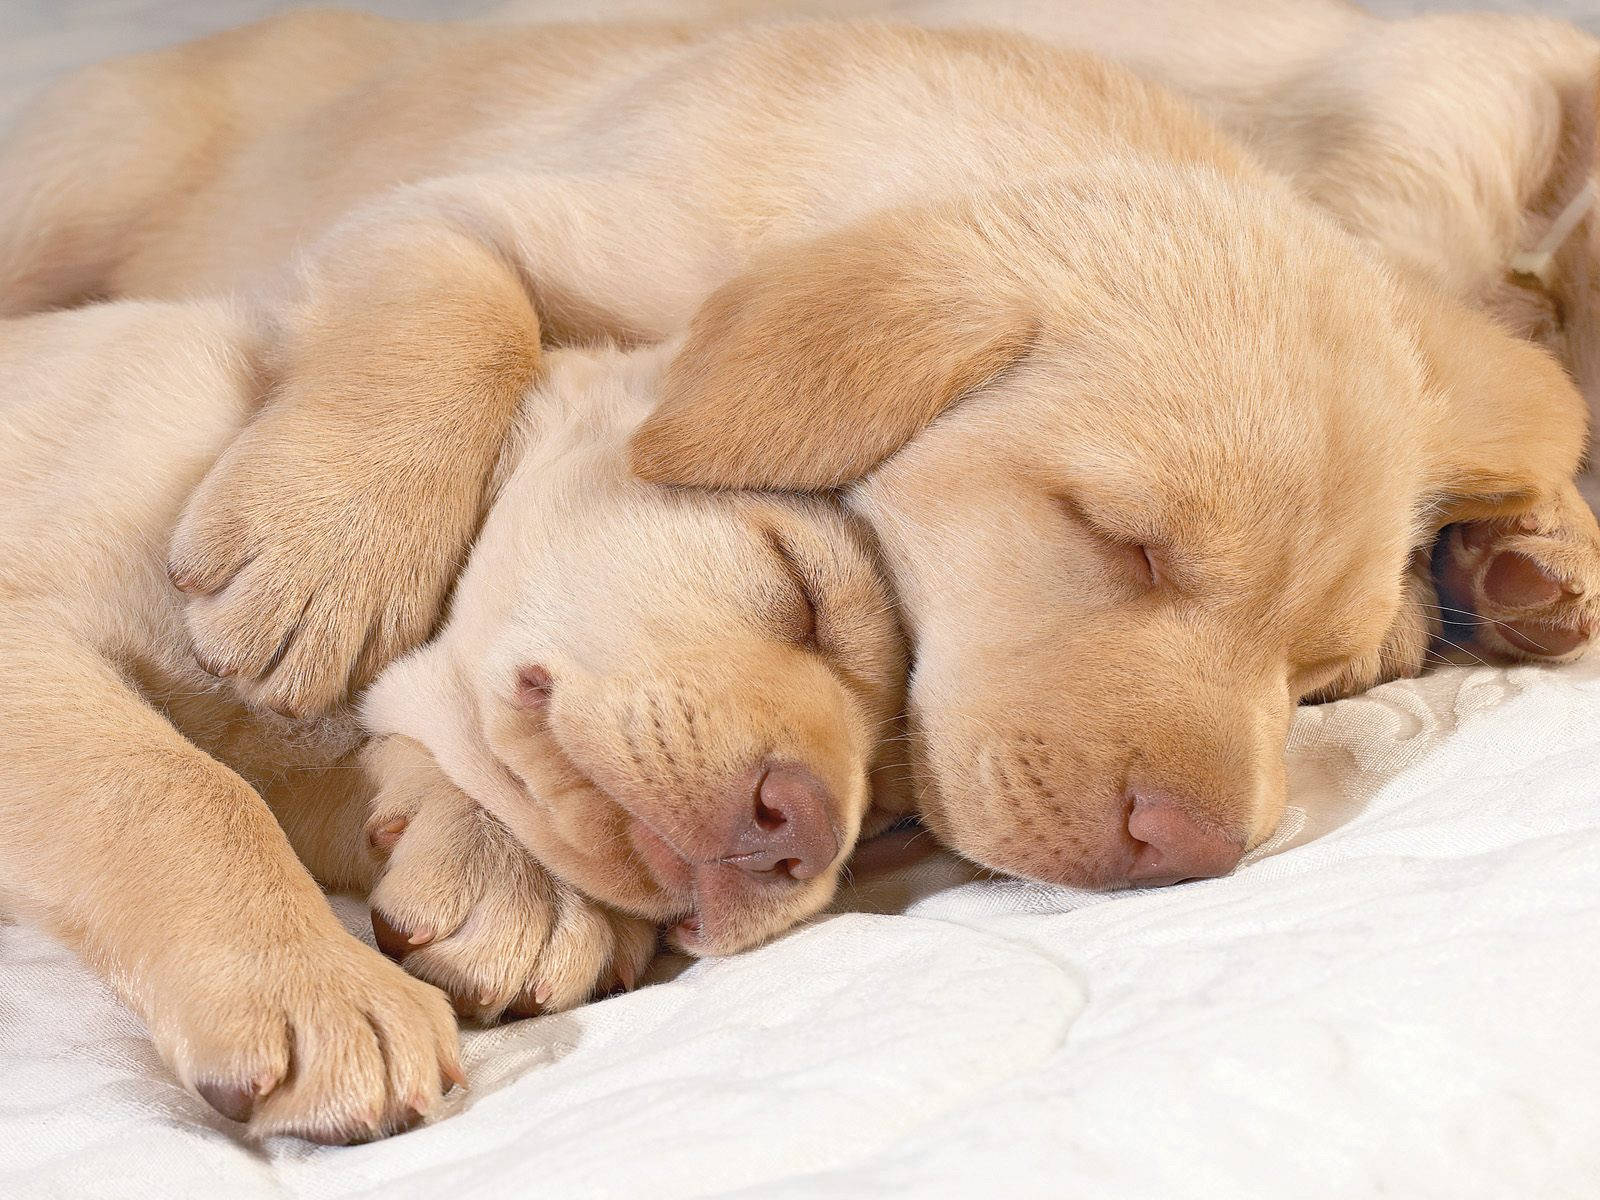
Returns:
<point x="1462" y="144"/>
<point x="696" y="690"/>
<point x="1153" y="448"/>
<point x="674" y="702"/>
<point x="1130" y="549"/>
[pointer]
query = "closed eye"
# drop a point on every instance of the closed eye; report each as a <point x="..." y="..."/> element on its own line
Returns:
<point x="1139" y="559"/>
<point x="799" y="620"/>
<point x="1142" y="561"/>
<point x="1315" y="676"/>
<point x="1329" y="679"/>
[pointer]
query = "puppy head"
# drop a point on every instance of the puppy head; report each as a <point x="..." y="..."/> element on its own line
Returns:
<point x="693" y="707"/>
<point x="687" y="699"/>
<point x="1148" y="456"/>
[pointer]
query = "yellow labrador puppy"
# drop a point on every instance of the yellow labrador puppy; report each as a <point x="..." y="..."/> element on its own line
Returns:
<point x="1152" y="447"/>
<point x="1463" y="144"/>
<point x="673" y="701"/>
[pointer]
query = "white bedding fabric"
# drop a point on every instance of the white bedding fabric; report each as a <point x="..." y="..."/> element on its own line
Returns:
<point x="1400" y="1002"/>
<point x="1402" y="1006"/>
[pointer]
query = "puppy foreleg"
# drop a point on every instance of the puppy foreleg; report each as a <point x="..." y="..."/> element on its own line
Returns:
<point x="463" y="904"/>
<point x="168" y="872"/>
<point x="325" y="538"/>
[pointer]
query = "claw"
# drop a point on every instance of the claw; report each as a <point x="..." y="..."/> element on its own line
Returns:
<point x="384" y="837"/>
<point x="393" y="942"/>
<point x="212" y="669"/>
<point x="182" y="580"/>
<point x="236" y="1101"/>
<point x="627" y="976"/>
<point x="523" y="1007"/>
<point x="415" y="1111"/>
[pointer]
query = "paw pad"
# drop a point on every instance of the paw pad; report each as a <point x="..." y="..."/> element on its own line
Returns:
<point x="1514" y="580"/>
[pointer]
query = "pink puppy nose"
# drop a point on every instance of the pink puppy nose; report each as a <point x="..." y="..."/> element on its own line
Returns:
<point x="788" y="829"/>
<point x="1174" y="845"/>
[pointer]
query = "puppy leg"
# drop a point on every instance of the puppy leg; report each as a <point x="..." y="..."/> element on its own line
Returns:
<point x="463" y="905"/>
<point x="1525" y="588"/>
<point x="169" y="874"/>
<point x="323" y="541"/>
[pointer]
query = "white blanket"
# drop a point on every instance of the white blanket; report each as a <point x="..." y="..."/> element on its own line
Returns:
<point x="1400" y="1001"/>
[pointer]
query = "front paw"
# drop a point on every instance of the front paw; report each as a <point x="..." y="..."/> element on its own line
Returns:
<point x="322" y="1039"/>
<point x="462" y="904"/>
<point x="1522" y="589"/>
<point x="308" y="568"/>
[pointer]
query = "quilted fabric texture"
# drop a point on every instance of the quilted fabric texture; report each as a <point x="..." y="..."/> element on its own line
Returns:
<point x="1399" y="1001"/>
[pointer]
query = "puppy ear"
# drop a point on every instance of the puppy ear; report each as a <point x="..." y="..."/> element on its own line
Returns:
<point x="824" y="359"/>
<point x="1511" y="426"/>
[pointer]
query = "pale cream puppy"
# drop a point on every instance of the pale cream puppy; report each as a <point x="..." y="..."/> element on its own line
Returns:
<point x="1465" y="145"/>
<point x="655" y="670"/>
<point x="695" y="746"/>
<point x="1152" y="445"/>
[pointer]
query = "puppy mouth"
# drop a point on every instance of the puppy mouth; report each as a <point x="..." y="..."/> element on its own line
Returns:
<point x="684" y="888"/>
<point x="709" y="905"/>
<point x="652" y="860"/>
<point x="723" y="918"/>
<point x="715" y="898"/>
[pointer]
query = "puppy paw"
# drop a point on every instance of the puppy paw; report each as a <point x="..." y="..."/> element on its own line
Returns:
<point x="1403" y="653"/>
<point x="307" y="569"/>
<point x="462" y="904"/>
<point x="322" y="1039"/>
<point x="1522" y="589"/>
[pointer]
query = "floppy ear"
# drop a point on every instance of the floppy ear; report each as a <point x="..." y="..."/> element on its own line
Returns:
<point x="824" y="359"/>
<point x="1511" y="425"/>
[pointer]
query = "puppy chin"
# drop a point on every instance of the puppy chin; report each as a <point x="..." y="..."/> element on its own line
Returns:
<point x="731" y="913"/>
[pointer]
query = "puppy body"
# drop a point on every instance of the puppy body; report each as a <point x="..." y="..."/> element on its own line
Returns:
<point x="153" y="821"/>
<point x="1114" y="373"/>
<point x="682" y="646"/>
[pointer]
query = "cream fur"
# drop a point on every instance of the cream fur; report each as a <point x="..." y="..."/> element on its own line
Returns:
<point x="144" y="809"/>
<point x="1078" y="276"/>
<point x="1451" y="140"/>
